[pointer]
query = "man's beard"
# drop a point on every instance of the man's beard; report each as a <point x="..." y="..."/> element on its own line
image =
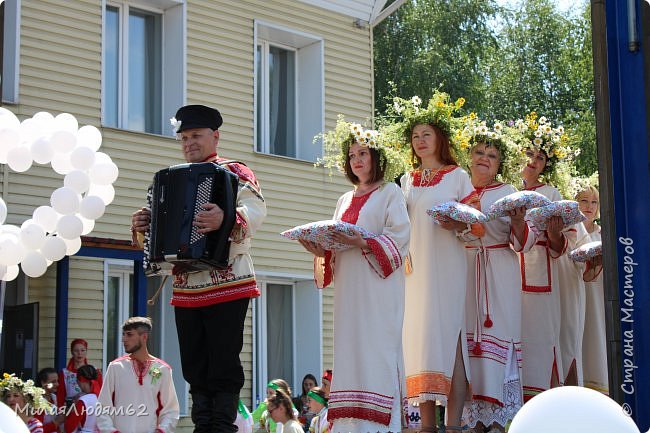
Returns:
<point x="134" y="348"/>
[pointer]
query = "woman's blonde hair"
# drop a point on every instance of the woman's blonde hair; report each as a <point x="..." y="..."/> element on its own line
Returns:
<point x="283" y="400"/>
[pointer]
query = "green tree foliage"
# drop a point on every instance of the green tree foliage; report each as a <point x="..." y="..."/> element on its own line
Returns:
<point x="505" y="61"/>
<point x="430" y="44"/>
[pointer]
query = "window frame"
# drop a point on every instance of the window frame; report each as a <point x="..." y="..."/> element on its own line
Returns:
<point x="299" y="284"/>
<point x="10" y="72"/>
<point x="309" y="89"/>
<point x="173" y="70"/>
<point x="122" y="269"/>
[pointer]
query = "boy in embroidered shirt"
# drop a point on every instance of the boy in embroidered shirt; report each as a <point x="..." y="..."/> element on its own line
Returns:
<point x="138" y="394"/>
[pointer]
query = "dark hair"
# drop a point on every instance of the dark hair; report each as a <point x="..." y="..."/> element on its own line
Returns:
<point x="140" y="324"/>
<point x="444" y="150"/>
<point x="87" y="371"/>
<point x="282" y="399"/>
<point x="42" y="375"/>
<point x="377" y="172"/>
<point x="307" y="376"/>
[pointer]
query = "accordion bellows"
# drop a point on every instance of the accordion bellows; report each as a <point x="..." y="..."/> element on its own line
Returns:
<point x="176" y="196"/>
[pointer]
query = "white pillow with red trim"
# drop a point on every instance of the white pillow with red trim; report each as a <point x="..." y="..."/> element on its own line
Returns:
<point x="526" y="199"/>
<point x="321" y="233"/>
<point x="457" y="211"/>
<point x="567" y="209"/>
<point x="587" y="251"/>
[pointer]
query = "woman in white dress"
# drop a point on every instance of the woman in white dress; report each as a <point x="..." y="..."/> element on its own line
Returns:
<point x="367" y="385"/>
<point x="494" y="290"/>
<point x="435" y="347"/>
<point x="594" y="344"/>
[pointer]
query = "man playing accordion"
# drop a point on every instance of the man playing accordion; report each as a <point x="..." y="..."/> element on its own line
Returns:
<point x="210" y="306"/>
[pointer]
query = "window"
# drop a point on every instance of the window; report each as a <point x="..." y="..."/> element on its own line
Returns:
<point x="9" y="50"/>
<point x="118" y="304"/>
<point x="287" y="334"/>
<point x="288" y="92"/>
<point x="137" y="94"/>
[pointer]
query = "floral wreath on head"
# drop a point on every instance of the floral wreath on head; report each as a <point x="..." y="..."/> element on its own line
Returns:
<point x="33" y="394"/>
<point x="539" y="133"/>
<point x="475" y="131"/>
<point x="337" y="142"/>
<point x="405" y="114"/>
<point x="581" y="183"/>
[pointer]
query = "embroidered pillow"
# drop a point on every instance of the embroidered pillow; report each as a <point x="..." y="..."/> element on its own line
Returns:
<point x="567" y="209"/>
<point x="456" y="211"/>
<point x="527" y="199"/>
<point x="321" y="233"/>
<point x="587" y="251"/>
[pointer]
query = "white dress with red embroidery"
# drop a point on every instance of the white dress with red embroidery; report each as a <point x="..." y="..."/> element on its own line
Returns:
<point x="541" y="315"/>
<point x="367" y="384"/>
<point x="436" y="288"/>
<point x="204" y="288"/>
<point x="594" y="343"/>
<point x="572" y="303"/>
<point x="138" y="397"/>
<point x="493" y="311"/>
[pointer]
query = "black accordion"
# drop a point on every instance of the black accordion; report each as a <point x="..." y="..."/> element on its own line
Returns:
<point x="176" y="196"/>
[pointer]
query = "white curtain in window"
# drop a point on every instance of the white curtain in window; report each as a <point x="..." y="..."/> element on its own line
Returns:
<point x="279" y="332"/>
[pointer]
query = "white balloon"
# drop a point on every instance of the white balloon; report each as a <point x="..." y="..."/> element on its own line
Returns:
<point x="10" y="275"/>
<point x="46" y="217"/>
<point x="11" y="229"/>
<point x="3" y="211"/>
<point x="104" y="173"/>
<point x="66" y="122"/>
<point x="69" y="227"/>
<point x="572" y="409"/>
<point x="105" y="192"/>
<point x="8" y="119"/>
<point x="44" y="122"/>
<point x="9" y="138"/>
<point x="92" y="207"/>
<point x="19" y="158"/>
<point x="11" y="249"/>
<point x="29" y="131"/>
<point x="63" y="141"/>
<point x="65" y="200"/>
<point x="89" y="136"/>
<point x="11" y="423"/>
<point x="54" y="248"/>
<point x="32" y="235"/>
<point x="102" y="157"/>
<point x="61" y="163"/>
<point x="34" y="264"/>
<point x="88" y="225"/>
<point x="77" y="180"/>
<point x="72" y="246"/>
<point x="42" y="151"/>
<point x="82" y="158"/>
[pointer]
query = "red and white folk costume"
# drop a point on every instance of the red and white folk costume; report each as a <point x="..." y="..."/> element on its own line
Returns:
<point x="138" y="397"/>
<point x="572" y="304"/>
<point x="68" y="386"/>
<point x="436" y="288"/>
<point x="493" y="312"/>
<point x="541" y="315"/>
<point x="367" y="386"/>
<point x="594" y="343"/>
<point x="198" y="289"/>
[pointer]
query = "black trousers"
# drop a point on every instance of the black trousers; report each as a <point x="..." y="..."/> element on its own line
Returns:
<point x="210" y="340"/>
